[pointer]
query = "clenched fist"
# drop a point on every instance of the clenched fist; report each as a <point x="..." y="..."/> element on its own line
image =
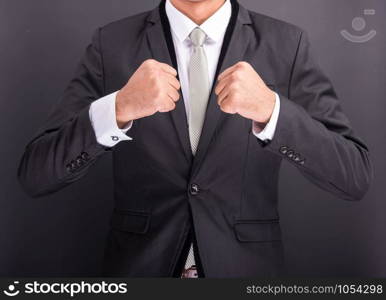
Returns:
<point x="241" y="90"/>
<point x="152" y="88"/>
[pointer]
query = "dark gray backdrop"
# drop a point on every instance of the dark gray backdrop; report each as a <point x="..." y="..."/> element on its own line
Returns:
<point x="41" y="42"/>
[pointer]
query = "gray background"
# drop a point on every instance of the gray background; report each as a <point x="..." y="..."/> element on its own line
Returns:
<point x="41" y="42"/>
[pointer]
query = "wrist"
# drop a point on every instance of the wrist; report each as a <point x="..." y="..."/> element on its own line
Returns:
<point x="265" y="110"/>
<point x="122" y="118"/>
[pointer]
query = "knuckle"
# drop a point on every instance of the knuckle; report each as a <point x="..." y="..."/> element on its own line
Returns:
<point x="172" y="71"/>
<point x="152" y="77"/>
<point x="239" y="65"/>
<point x="158" y="84"/>
<point x="235" y="76"/>
<point x="149" y="61"/>
<point x="243" y="64"/>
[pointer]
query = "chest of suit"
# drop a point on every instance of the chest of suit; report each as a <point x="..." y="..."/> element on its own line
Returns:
<point x="159" y="158"/>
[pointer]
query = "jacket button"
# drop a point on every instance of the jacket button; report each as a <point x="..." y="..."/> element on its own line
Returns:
<point x="84" y="155"/>
<point x="73" y="165"/>
<point x="283" y="149"/>
<point x="68" y="168"/>
<point x="290" y="154"/>
<point x="296" y="157"/>
<point x="194" y="189"/>
<point x="79" y="161"/>
<point x="302" y="162"/>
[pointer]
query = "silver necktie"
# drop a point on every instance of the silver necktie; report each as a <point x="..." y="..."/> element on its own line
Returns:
<point x="199" y="90"/>
<point x="198" y="87"/>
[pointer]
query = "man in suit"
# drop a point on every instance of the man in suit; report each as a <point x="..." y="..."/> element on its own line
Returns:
<point x="200" y="102"/>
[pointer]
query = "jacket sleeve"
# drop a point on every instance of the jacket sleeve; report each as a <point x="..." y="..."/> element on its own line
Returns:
<point x="66" y="146"/>
<point x="313" y="133"/>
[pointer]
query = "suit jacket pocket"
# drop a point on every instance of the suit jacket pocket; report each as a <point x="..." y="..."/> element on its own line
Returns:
<point x="257" y="230"/>
<point x="131" y="221"/>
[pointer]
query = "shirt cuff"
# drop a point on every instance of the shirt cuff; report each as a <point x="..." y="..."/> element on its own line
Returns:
<point x="103" y="120"/>
<point x="269" y="130"/>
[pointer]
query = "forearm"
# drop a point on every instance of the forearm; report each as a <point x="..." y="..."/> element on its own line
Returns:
<point x="60" y="156"/>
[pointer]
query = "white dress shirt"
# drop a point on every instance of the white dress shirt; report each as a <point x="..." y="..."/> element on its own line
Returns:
<point x="102" y="111"/>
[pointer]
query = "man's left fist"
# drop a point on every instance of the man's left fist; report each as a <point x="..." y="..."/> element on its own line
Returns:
<point x="241" y="90"/>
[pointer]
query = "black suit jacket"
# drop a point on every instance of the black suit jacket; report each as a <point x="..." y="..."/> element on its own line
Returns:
<point x="228" y="191"/>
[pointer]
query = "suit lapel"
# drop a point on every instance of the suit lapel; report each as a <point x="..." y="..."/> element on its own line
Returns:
<point x="162" y="49"/>
<point x="235" y="43"/>
<point x="234" y="47"/>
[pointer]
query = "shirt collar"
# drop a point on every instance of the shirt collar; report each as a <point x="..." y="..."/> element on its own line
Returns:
<point x="214" y="27"/>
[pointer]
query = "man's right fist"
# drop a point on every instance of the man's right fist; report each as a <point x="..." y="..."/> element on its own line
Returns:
<point x="152" y="88"/>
